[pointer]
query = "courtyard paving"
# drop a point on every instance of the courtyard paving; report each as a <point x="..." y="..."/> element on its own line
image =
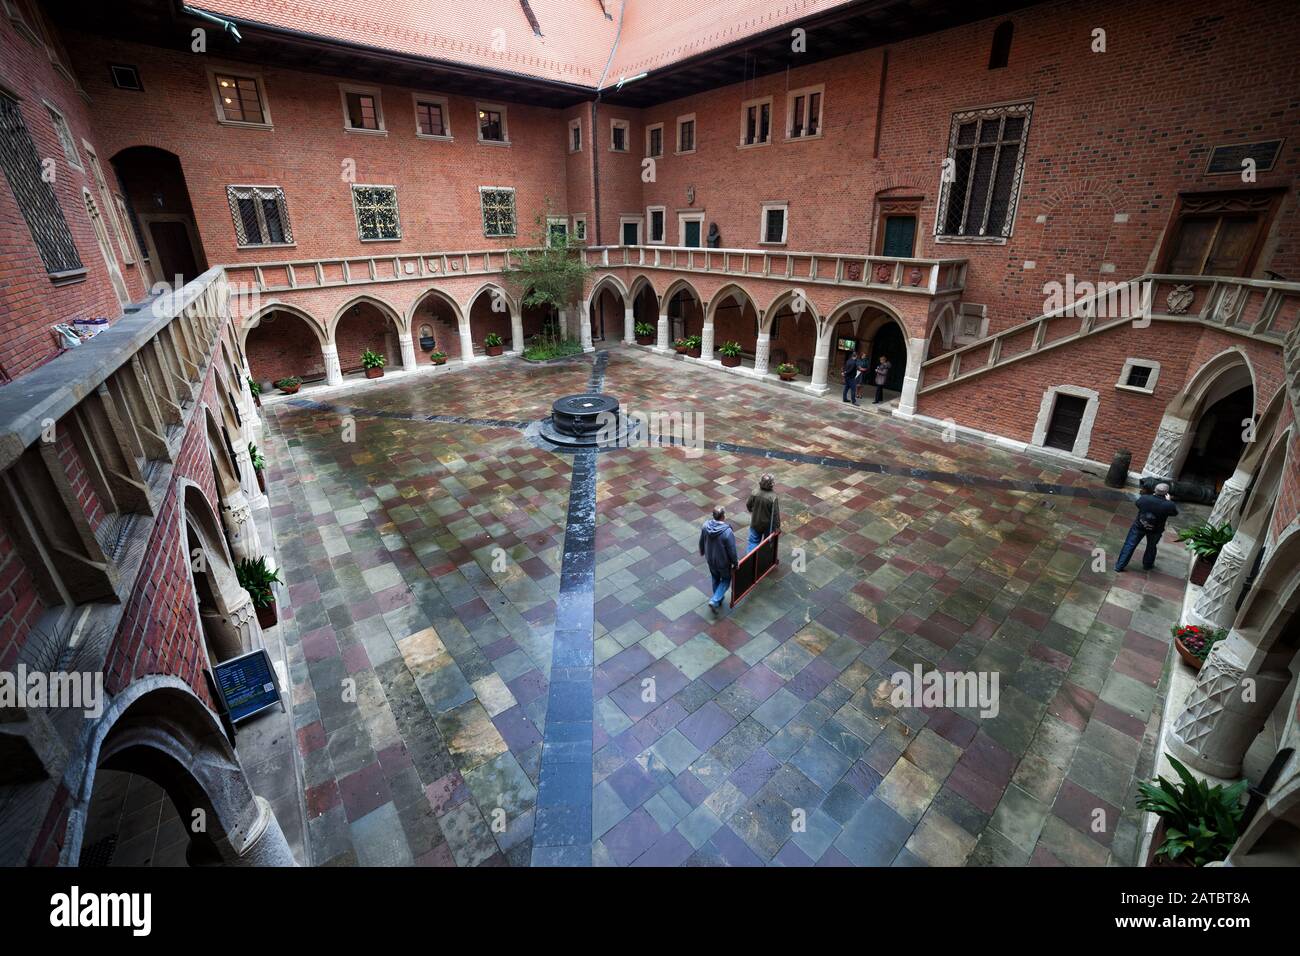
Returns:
<point x="422" y="537"/>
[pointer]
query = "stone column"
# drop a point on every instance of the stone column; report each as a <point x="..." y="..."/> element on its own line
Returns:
<point x="333" y="371"/>
<point x="466" y="343"/>
<point x="1230" y="496"/>
<point x="563" y="317"/>
<point x="241" y="530"/>
<point x="661" y="341"/>
<point x="1226" y="709"/>
<point x="247" y="476"/>
<point x="629" y="326"/>
<point x="911" y="378"/>
<point x="408" y="350"/>
<point x="762" y="350"/>
<point x="516" y="332"/>
<point x="1214" y="606"/>
<point x="706" y="342"/>
<point x="1169" y="437"/>
<point x="821" y="363"/>
<point x="584" y="327"/>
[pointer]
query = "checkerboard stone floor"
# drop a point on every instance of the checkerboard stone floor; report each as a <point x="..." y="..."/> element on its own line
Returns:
<point x="422" y="565"/>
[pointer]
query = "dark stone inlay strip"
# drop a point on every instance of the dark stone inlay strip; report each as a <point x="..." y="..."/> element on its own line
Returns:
<point x="407" y="416"/>
<point x="562" y="827"/>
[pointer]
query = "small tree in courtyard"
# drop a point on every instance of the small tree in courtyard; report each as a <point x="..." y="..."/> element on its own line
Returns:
<point x="552" y="273"/>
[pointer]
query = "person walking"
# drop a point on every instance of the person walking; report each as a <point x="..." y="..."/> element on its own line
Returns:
<point x="718" y="546"/>
<point x="853" y="367"/>
<point x="1153" y="510"/>
<point x="883" y="366"/>
<point x="764" y="509"/>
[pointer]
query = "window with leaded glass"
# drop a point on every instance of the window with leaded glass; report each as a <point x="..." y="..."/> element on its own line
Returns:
<point x="498" y="211"/>
<point x="65" y="136"/>
<point x="34" y="196"/>
<point x="981" y="180"/>
<point x="239" y="99"/>
<point x="261" y="215"/>
<point x="376" y="210"/>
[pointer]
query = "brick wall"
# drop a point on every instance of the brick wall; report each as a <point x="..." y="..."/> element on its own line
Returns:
<point x="29" y="302"/>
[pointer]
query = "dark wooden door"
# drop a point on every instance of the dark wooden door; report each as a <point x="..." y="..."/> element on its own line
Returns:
<point x="175" y="254"/>
<point x="1067" y="416"/>
<point x="900" y="236"/>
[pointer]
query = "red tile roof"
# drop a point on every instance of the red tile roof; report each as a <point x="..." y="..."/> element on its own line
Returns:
<point x="495" y="34"/>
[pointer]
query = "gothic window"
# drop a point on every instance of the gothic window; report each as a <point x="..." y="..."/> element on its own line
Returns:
<point x="981" y="178"/>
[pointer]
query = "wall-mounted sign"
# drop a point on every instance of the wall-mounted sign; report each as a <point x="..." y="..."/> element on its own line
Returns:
<point x="1228" y="159"/>
<point x="247" y="685"/>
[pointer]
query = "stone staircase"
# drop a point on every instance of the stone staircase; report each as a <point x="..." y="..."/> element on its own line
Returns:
<point x="1265" y="311"/>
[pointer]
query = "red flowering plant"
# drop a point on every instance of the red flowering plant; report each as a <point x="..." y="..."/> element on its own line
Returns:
<point x="1198" y="640"/>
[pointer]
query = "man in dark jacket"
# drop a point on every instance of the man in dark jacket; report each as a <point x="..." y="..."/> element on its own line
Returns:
<point x="764" y="509"/>
<point x="853" y="368"/>
<point x="718" y="545"/>
<point x="1153" y="510"/>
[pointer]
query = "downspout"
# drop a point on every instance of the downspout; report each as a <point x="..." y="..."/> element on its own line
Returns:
<point x="595" y="120"/>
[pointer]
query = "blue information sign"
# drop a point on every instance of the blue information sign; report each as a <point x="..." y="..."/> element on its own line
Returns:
<point x="247" y="684"/>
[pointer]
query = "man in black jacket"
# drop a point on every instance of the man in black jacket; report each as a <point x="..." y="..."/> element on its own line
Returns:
<point x="1153" y="510"/>
<point x="854" y="366"/>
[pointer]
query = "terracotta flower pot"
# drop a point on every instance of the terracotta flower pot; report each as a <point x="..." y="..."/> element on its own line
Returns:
<point x="376" y="372"/>
<point x="1201" y="570"/>
<point x="440" y="361"/>
<point x="494" y="349"/>
<point x="693" y="353"/>
<point x="787" y="376"/>
<point x="681" y="349"/>
<point x="291" y="390"/>
<point x="266" y="616"/>
<point x="645" y="339"/>
<point x="1188" y="657"/>
<point x="261" y="480"/>
<point x="730" y="361"/>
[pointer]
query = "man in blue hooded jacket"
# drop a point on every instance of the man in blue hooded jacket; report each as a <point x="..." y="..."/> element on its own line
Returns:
<point x="718" y="545"/>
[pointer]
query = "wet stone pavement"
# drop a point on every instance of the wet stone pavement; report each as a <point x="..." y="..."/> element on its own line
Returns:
<point x="422" y="537"/>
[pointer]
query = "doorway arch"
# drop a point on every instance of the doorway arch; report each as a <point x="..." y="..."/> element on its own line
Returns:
<point x="158" y="728"/>
<point x="281" y="341"/>
<point x="159" y="200"/>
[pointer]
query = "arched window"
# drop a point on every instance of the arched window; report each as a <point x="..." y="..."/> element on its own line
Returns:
<point x="1001" y="51"/>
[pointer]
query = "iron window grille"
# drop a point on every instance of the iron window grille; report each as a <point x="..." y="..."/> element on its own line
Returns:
<point x="981" y="183"/>
<point x="376" y="211"/>
<point x="498" y="212"/>
<point x="261" y="215"/>
<point x="35" y="197"/>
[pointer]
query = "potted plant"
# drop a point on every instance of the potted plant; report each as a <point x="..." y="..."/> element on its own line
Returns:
<point x="645" y="333"/>
<point x="1198" y="823"/>
<point x="693" y="343"/>
<point x="259" y="580"/>
<point x="255" y="389"/>
<point x="259" y="463"/>
<point x="289" y="385"/>
<point x="730" y="352"/>
<point x="373" y="363"/>
<point x="680" y="347"/>
<point x="493" y="344"/>
<point x="1194" y="643"/>
<point x="786" y="371"/>
<point x="438" y="358"/>
<point x="1205" y="541"/>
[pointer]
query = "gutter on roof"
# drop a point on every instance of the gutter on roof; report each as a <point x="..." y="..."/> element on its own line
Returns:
<point x="227" y="25"/>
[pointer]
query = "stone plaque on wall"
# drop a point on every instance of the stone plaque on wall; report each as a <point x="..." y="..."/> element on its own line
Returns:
<point x="1228" y="159"/>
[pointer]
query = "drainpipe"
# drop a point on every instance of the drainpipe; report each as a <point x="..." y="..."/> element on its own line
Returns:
<point x="595" y="120"/>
